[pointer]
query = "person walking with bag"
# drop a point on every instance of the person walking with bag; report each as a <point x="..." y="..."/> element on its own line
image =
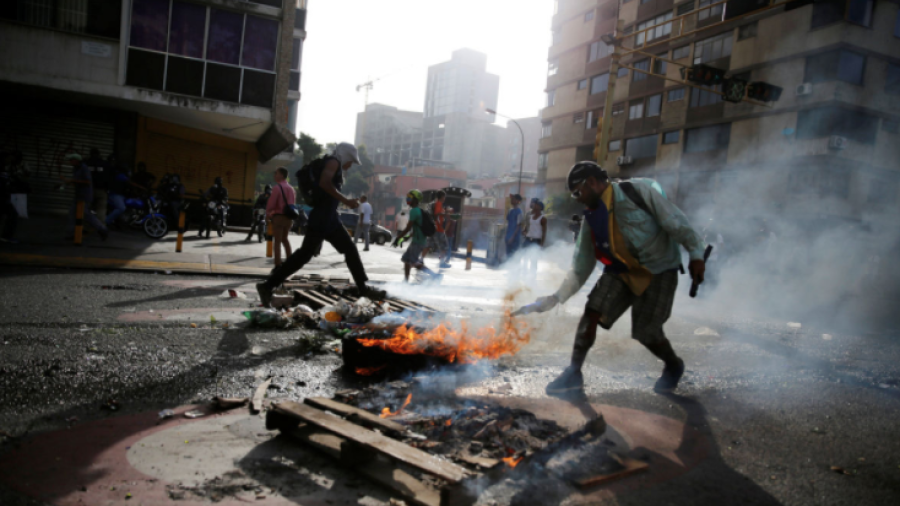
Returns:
<point x="279" y="210"/>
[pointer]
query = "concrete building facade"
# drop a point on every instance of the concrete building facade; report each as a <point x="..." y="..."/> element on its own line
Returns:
<point x="531" y="131"/>
<point x="202" y="88"/>
<point x="831" y="141"/>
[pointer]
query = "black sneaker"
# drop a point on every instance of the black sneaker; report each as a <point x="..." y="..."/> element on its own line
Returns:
<point x="372" y="293"/>
<point x="265" y="294"/>
<point x="569" y="384"/>
<point x="668" y="382"/>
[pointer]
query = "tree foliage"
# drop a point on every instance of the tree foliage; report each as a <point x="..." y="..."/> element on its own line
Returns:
<point x="308" y="148"/>
<point x="356" y="183"/>
<point x="563" y="205"/>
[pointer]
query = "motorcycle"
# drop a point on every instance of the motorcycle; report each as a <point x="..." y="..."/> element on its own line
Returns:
<point x="143" y="214"/>
<point x="218" y="217"/>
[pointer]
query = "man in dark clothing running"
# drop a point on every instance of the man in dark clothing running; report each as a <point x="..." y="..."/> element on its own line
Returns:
<point x="325" y="225"/>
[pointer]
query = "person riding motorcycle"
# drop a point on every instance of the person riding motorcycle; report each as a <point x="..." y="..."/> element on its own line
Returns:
<point x="171" y="192"/>
<point x="260" y="204"/>
<point x="218" y="194"/>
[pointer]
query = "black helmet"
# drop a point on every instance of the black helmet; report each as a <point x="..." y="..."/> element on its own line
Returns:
<point x="176" y="179"/>
<point x="583" y="170"/>
<point x="268" y="188"/>
<point x="218" y="181"/>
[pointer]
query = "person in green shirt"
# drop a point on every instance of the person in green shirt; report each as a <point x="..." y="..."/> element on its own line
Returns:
<point x="413" y="255"/>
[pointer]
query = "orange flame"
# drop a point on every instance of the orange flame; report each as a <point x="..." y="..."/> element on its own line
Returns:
<point x="461" y="345"/>
<point x="512" y="462"/>
<point x="449" y="422"/>
<point x="368" y="371"/>
<point x="386" y="412"/>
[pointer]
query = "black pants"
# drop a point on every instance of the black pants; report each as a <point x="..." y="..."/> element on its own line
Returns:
<point x="12" y="217"/>
<point x="312" y="245"/>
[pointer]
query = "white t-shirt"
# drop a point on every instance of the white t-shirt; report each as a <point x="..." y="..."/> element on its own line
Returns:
<point x="365" y="209"/>
<point x="402" y="221"/>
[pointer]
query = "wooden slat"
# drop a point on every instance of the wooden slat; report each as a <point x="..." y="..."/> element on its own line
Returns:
<point x="357" y="415"/>
<point x="314" y="297"/>
<point x="370" y="439"/>
<point x="631" y="466"/>
<point x="412" y="490"/>
<point x="258" y="396"/>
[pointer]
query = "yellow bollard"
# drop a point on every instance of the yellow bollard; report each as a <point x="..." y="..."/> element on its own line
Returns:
<point x="180" y="232"/>
<point x="79" y="221"/>
<point x="469" y="255"/>
<point x="268" y="238"/>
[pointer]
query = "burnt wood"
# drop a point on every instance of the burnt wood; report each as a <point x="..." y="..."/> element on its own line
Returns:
<point x="355" y="414"/>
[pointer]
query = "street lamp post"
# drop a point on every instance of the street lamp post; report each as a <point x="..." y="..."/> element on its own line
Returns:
<point x="521" y="147"/>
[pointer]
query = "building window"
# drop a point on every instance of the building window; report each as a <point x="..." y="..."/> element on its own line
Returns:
<point x="711" y="13"/>
<point x="892" y="81"/>
<point x="702" y="98"/>
<point x="546" y="130"/>
<point x="551" y="98"/>
<point x="94" y="17"/>
<point x="661" y="30"/>
<point x="636" y="110"/>
<point x="599" y="50"/>
<point x="674" y="95"/>
<point x="553" y="67"/>
<point x="296" y="56"/>
<point x="542" y="160"/>
<point x="712" y="48"/>
<point x="204" y="51"/>
<point x="659" y="66"/>
<point x="671" y="137"/>
<point x="747" y="31"/>
<point x="594" y="118"/>
<point x="684" y="8"/>
<point x="588" y="16"/>
<point x="840" y="65"/>
<point x="623" y="72"/>
<point x="641" y="65"/>
<point x="654" y="105"/>
<point x="615" y="145"/>
<point x="618" y="108"/>
<point x="578" y="117"/>
<point x="859" y="12"/>
<point x="599" y="83"/>
<point x="832" y="120"/>
<point x="681" y="52"/>
<point x="711" y="138"/>
<point x="582" y="84"/>
<point x="641" y="147"/>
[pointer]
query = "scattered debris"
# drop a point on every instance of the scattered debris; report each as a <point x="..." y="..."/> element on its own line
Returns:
<point x="256" y="404"/>
<point x="233" y="294"/>
<point x="841" y="470"/>
<point x="166" y="413"/>
<point x="705" y="331"/>
<point x="194" y="413"/>
<point x="193" y="325"/>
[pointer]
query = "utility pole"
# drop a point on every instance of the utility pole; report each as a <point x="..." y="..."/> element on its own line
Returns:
<point x="604" y="129"/>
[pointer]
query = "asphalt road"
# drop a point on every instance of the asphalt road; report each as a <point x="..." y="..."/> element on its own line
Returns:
<point x="781" y="404"/>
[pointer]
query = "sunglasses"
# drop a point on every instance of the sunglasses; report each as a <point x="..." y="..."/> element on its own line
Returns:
<point x="576" y="193"/>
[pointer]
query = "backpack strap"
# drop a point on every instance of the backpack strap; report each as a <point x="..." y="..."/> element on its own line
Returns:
<point x="635" y="196"/>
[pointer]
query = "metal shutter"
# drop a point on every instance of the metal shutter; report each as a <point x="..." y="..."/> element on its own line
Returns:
<point x="44" y="140"/>
<point x="198" y="164"/>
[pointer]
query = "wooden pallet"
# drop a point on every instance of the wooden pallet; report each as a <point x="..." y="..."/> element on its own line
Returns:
<point x="305" y="286"/>
<point x="371" y="453"/>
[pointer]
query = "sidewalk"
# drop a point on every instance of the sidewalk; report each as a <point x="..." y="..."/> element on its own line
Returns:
<point x="42" y="245"/>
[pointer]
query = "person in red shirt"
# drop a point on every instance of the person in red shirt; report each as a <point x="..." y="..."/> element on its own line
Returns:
<point x="282" y="196"/>
<point x="438" y="242"/>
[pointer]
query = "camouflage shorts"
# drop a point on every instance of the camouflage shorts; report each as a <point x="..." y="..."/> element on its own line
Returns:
<point x="611" y="297"/>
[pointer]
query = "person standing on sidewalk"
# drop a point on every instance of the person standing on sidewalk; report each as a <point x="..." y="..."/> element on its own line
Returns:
<point x="101" y="176"/>
<point x="262" y="203"/>
<point x="413" y="255"/>
<point x="7" y="209"/>
<point x="81" y="178"/>
<point x="635" y="232"/>
<point x="282" y="196"/>
<point x="364" y="225"/>
<point x="117" y="191"/>
<point x="438" y="242"/>
<point x="535" y="235"/>
<point x="514" y="222"/>
<point x="325" y="225"/>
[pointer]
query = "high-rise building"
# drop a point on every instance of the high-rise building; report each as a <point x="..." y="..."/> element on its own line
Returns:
<point x="455" y="129"/>
<point x="201" y="88"/>
<point x="830" y="142"/>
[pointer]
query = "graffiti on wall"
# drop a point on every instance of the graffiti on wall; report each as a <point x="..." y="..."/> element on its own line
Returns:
<point x="197" y="170"/>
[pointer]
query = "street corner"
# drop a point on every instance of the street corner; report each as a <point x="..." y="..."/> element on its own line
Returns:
<point x="228" y="458"/>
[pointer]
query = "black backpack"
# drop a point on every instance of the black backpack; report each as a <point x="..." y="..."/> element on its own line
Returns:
<point x="308" y="181"/>
<point x="427" y="227"/>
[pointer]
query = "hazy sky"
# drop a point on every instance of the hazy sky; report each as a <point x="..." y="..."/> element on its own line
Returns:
<point x="351" y="41"/>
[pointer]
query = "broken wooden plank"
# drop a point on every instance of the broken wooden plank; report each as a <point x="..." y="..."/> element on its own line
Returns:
<point x="371" y="439"/>
<point x="229" y="402"/>
<point x="315" y="298"/>
<point x="256" y="404"/>
<point x="412" y="490"/>
<point x="355" y="414"/>
<point x="482" y="462"/>
<point x="632" y="466"/>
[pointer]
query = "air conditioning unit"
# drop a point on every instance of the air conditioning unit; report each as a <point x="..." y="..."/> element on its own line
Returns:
<point x="804" y="89"/>
<point x="837" y="142"/>
<point x="624" y="160"/>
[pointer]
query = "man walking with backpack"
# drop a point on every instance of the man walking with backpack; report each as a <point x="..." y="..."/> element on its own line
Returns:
<point x="422" y="227"/>
<point x="320" y="183"/>
<point x="634" y="232"/>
